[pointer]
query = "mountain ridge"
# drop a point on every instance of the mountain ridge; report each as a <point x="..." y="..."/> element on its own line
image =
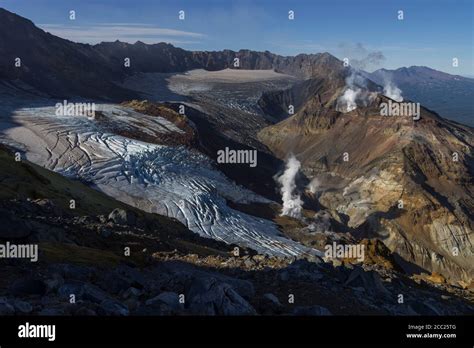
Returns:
<point x="449" y="95"/>
<point x="99" y="68"/>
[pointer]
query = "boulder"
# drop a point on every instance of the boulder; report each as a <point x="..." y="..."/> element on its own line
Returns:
<point x="270" y="304"/>
<point x="131" y="293"/>
<point x="47" y="206"/>
<point x="6" y="308"/>
<point x="167" y="297"/>
<point x="73" y="287"/>
<point x="208" y="296"/>
<point x="94" y="294"/>
<point x="123" y="217"/>
<point x="55" y="282"/>
<point x="370" y="281"/>
<point x="132" y="275"/>
<point x="303" y="269"/>
<point x="113" y="307"/>
<point x="114" y="283"/>
<point x="272" y="298"/>
<point x="22" y="307"/>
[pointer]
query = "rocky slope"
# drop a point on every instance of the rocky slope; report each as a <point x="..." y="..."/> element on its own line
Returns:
<point x="365" y="164"/>
<point x="53" y="65"/>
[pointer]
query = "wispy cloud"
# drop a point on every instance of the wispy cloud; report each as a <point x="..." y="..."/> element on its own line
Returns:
<point x="128" y="32"/>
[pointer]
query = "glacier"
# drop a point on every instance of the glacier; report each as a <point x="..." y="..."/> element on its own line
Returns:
<point x="177" y="182"/>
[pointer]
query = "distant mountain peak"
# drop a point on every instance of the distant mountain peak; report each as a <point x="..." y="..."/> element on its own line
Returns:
<point x="449" y="95"/>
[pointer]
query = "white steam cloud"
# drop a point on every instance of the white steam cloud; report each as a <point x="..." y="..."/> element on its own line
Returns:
<point x="393" y="92"/>
<point x="347" y="102"/>
<point x="313" y="186"/>
<point x="292" y="203"/>
<point x="355" y="93"/>
<point x="390" y="90"/>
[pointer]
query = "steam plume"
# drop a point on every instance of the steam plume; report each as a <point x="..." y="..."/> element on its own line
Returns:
<point x="356" y="92"/>
<point x="313" y="186"/>
<point x="292" y="203"/>
<point x="389" y="88"/>
<point x="393" y="92"/>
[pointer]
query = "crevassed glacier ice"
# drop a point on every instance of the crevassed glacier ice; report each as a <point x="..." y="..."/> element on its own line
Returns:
<point x="172" y="181"/>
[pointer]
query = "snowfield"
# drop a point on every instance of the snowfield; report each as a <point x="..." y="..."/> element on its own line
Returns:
<point x="235" y="89"/>
<point x="171" y="181"/>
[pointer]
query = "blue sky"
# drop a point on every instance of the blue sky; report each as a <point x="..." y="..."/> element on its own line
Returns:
<point x="432" y="33"/>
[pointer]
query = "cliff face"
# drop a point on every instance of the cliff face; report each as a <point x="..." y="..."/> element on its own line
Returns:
<point x="166" y="58"/>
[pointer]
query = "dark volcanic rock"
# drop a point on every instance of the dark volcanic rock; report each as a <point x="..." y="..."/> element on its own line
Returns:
<point x="75" y="288"/>
<point x="28" y="286"/>
<point x="114" y="282"/>
<point x="210" y="297"/>
<point x="94" y="294"/>
<point x="13" y="227"/>
<point x="23" y="307"/>
<point x="113" y="307"/>
<point x="134" y="276"/>
<point x="123" y="217"/>
<point x="171" y="299"/>
<point x="6" y="308"/>
<point x="71" y="271"/>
